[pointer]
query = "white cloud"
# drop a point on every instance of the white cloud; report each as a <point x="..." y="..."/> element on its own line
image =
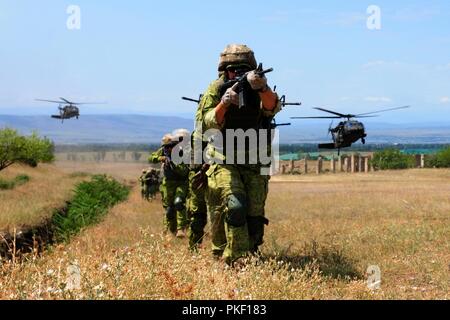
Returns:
<point x="279" y="16"/>
<point x="442" y="67"/>
<point x="374" y="64"/>
<point x="345" y="19"/>
<point x="414" y="14"/>
<point x="445" y="100"/>
<point x="383" y="63"/>
<point x="377" y="99"/>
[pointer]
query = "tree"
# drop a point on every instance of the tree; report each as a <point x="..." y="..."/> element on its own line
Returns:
<point x="391" y="159"/>
<point x="30" y="150"/>
<point x="440" y="159"/>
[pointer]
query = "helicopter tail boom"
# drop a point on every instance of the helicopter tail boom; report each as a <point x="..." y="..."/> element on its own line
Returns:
<point x="327" y="146"/>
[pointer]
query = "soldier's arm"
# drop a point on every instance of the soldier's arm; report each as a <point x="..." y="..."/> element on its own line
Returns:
<point x="212" y="108"/>
<point x="269" y="99"/>
<point x="154" y="157"/>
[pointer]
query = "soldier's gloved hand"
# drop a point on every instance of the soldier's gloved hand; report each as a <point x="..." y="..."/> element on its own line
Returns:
<point x="162" y="159"/>
<point x="256" y="81"/>
<point x="231" y="96"/>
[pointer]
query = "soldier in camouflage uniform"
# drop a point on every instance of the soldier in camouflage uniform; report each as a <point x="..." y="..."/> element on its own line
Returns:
<point x="149" y="183"/>
<point x="236" y="193"/>
<point x="197" y="203"/>
<point x="174" y="187"/>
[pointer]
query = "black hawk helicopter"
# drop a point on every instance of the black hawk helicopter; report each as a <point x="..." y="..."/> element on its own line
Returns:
<point x="346" y="132"/>
<point x="67" y="109"/>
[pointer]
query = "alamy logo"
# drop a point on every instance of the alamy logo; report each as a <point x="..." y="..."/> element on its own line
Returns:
<point x="74" y="20"/>
<point x="374" y="19"/>
<point x="231" y="146"/>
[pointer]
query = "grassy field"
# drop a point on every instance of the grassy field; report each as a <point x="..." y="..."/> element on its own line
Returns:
<point x="323" y="234"/>
<point x="33" y="201"/>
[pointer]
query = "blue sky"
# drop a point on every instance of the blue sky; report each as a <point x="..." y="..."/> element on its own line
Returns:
<point x="142" y="56"/>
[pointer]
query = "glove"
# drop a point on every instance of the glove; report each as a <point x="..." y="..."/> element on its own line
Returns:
<point x="256" y="81"/>
<point x="230" y="96"/>
<point x="162" y="159"/>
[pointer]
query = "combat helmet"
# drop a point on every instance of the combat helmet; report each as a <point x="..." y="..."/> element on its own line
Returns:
<point x="236" y="54"/>
<point x="180" y="134"/>
<point x="167" y="139"/>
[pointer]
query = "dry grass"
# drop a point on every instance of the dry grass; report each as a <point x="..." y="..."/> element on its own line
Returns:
<point x="324" y="233"/>
<point x="34" y="201"/>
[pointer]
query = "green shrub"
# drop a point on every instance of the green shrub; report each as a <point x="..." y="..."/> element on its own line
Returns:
<point x="391" y="159"/>
<point x="6" y="185"/>
<point x="91" y="202"/>
<point x="18" y="181"/>
<point x="439" y="160"/>
<point x="21" y="179"/>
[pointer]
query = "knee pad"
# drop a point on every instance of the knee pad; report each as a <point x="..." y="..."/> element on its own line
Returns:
<point x="237" y="210"/>
<point x="171" y="213"/>
<point x="178" y="204"/>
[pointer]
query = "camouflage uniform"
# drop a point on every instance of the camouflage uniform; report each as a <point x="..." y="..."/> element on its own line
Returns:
<point x="236" y="193"/>
<point x="143" y="183"/>
<point x="149" y="183"/>
<point x="174" y="189"/>
<point x="197" y="211"/>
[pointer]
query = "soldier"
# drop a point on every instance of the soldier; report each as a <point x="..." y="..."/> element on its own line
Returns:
<point x="236" y="193"/>
<point x="143" y="183"/>
<point x="149" y="183"/>
<point x="174" y="186"/>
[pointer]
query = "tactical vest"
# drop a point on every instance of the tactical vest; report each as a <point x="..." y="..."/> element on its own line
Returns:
<point x="250" y="116"/>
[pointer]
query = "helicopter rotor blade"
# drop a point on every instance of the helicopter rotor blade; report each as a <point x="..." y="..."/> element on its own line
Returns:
<point x="334" y="112"/>
<point x="66" y="101"/>
<point x="83" y="103"/>
<point x="364" y="116"/>
<point x="384" y="110"/>
<point x="53" y="101"/>
<point x="316" y="117"/>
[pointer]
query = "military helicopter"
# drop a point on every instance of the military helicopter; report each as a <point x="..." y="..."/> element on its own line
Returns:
<point x="67" y="109"/>
<point x="346" y="132"/>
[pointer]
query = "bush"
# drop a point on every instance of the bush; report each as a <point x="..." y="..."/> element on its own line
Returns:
<point x="391" y="159"/>
<point x="91" y="202"/>
<point x="27" y="150"/>
<point x="18" y="181"/>
<point x="439" y="160"/>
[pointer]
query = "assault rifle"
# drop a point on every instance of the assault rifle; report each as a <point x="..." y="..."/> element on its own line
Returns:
<point x="241" y="79"/>
<point x="193" y="100"/>
<point x="167" y="152"/>
<point x="284" y="103"/>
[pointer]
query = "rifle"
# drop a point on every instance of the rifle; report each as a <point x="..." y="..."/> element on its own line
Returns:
<point x="284" y="103"/>
<point x="168" y="154"/>
<point x="241" y="79"/>
<point x="274" y="124"/>
<point x="193" y="100"/>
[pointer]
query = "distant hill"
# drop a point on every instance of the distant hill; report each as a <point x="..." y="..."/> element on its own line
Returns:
<point x="98" y="128"/>
<point x="149" y="129"/>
